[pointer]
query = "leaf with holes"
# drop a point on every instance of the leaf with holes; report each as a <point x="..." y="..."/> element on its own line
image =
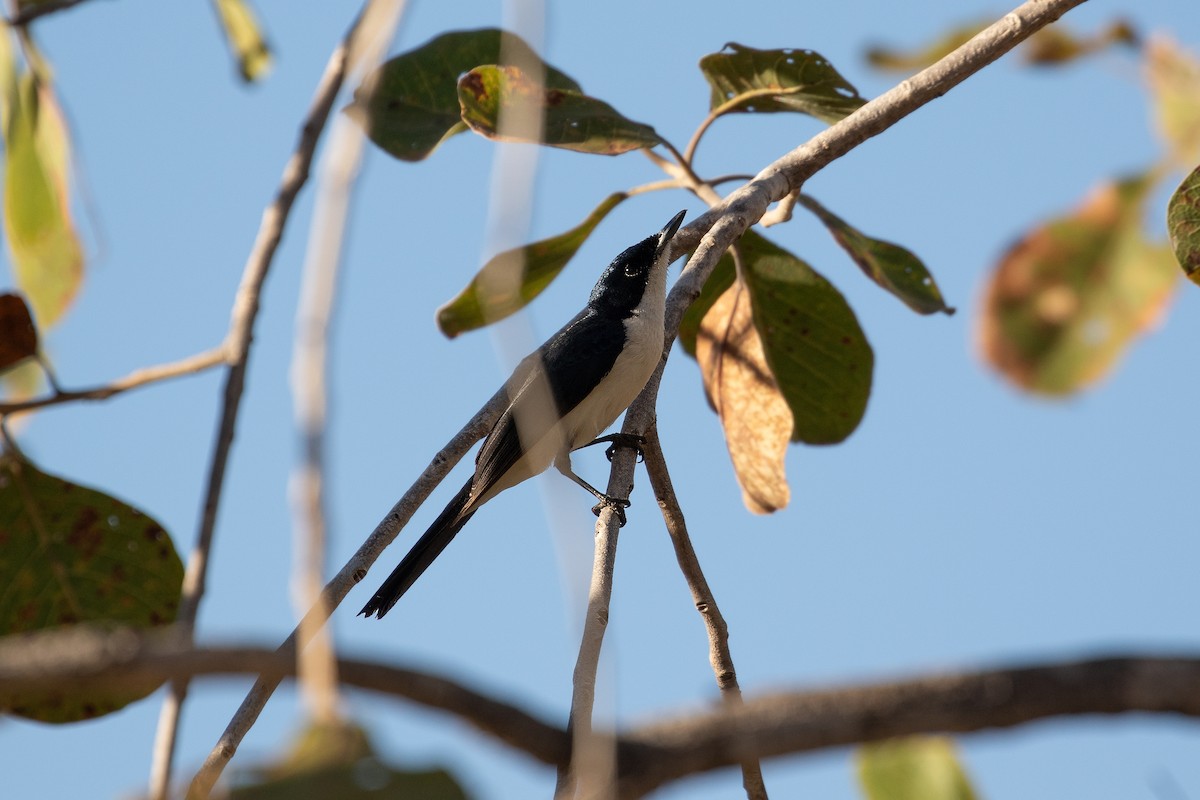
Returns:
<point x="18" y="336"/>
<point x="570" y="119"/>
<point x="1067" y="300"/>
<point x="409" y="105"/>
<point x="1183" y="224"/>
<point x="889" y="265"/>
<point x="69" y="554"/>
<point x="741" y="389"/>
<point x="510" y="280"/>
<point x="914" y="768"/>
<point x="744" y="79"/>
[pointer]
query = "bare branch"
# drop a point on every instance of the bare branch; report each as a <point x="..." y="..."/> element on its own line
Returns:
<point x="651" y="756"/>
<point x="134" y="380"/>
<point x="30" y="13"/>
<point x="719" y="654"/>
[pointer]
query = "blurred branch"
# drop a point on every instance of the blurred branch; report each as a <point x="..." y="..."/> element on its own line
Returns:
<point x="719" y="654"/>
<point x="30" y="13"/>
<point x="138" y="378"/>
<point x="651" y="756"/>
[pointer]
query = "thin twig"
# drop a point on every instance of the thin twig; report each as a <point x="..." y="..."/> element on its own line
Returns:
<point x="30" y="13"/>
<point x="719" y="654"/>
<point x="136" y="379"/>
<point x="237" y="346"/>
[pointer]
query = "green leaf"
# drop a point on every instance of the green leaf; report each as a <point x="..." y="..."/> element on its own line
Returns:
<point x="1183" y="223"/>
<point x="744" y="79"/>
<point x="819" y="355"/>
<point x="1173" y="75"/>
<point x="69" y="554"/>
<point x="245" y="37"/>
<point x="18" y="336"/>
<point x="337" y="760"/>
<point x="916" y="768"/>
<point x="570" y="119"/>
<point x="889" y="265"/>
<point x="510" y="280"/>
<point x="410" y="104"/>
<point x="1055" y="45"/>
<point x="1068" y="299"/>
<point x="46" y="253"/>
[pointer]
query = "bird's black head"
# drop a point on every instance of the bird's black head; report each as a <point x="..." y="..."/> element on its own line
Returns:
<point x="623" y="283"/>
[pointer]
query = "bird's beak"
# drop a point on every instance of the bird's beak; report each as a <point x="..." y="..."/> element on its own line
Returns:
<point x="664" y="236"/>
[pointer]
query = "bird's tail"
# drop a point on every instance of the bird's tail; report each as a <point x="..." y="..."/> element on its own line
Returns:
<point x="428" y="547"/>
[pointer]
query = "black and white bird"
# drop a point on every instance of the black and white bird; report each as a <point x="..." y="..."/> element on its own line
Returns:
<point x="561" y="397"/>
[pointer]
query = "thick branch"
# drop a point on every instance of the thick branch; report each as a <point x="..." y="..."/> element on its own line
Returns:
<point x="654" y="755"/>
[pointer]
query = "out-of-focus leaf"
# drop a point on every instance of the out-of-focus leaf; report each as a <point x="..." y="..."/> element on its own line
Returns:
<point x="18" y="336"/>
<point x="510" y="280"/>
<point x="1183" y="223"/>
<point x="69" y="554"/>
<point x="889" y="265"/>
<point x="1056" y="44"/>
<point x="1173" y="75"/>
<point x="338" y="761"/>
<point x="916" y="768"/>
<point x="45" y="249"/>
<point x="744" y="79"/>
<point x="741" y="389"/>
<point x="21" y="383"/>
<point x="890" y="58"/>
<point x="1069" y="297"/>
<point x="245" y="37"/>
<point x="570" y="119"/>
<point x="410" y="104"/>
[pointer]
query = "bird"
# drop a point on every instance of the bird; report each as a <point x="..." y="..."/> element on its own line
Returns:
<point x="560" y="398"/>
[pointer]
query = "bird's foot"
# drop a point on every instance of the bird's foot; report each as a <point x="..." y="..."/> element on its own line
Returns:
<point x="631" y="440"/>
<point x="618" y="507"/>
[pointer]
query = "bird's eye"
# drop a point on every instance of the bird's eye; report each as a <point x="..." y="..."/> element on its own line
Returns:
<point x="631" y="270"/>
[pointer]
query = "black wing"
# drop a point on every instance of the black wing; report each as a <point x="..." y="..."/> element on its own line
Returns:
<point x="571" y="368"/>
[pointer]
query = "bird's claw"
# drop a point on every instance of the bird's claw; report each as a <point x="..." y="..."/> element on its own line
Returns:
<point x="618" y="507"/>
<point x="631" y="440"/>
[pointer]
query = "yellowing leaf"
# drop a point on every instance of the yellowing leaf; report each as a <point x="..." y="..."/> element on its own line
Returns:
<point x="1066" y="300"/>
<point x="46" y="253"/>
<point x="915" y="768"/>
<point x="510" y="280"/>
<point x="409" y="105"/>
<point x="69" y="554"/>
<point x="245" y="37"/>
<point x="1173" y="75"/>
<point x="754" y="415"/>
<point x="1183" y="223"/>
<point x="570" y="119"/>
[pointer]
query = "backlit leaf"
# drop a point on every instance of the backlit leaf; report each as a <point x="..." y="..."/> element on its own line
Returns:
<point x="720" y="279"/>
<point x="889" y="265"/>
<point x="69" y="554"/>
<point x="1057" y="44"/>
<point x="245" y="37"/>
<point x="741" y="389"/>
<point x="510" y="280"/>
<point x="1173" y="75"/>
<point x="570" y="119"/>
<point x="410" y="104"/>
<point x="46" y="253"/>
<point x="744" y="79"/>
<point x="1067" y="300"/>
<point x="1183" y="223"/>
<point x="18" y="336"/>
<point x="915" y="768"/>
<point x="911" y="60"/>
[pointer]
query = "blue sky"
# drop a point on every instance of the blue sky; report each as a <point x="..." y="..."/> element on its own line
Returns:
<point x="963" y="524"/>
